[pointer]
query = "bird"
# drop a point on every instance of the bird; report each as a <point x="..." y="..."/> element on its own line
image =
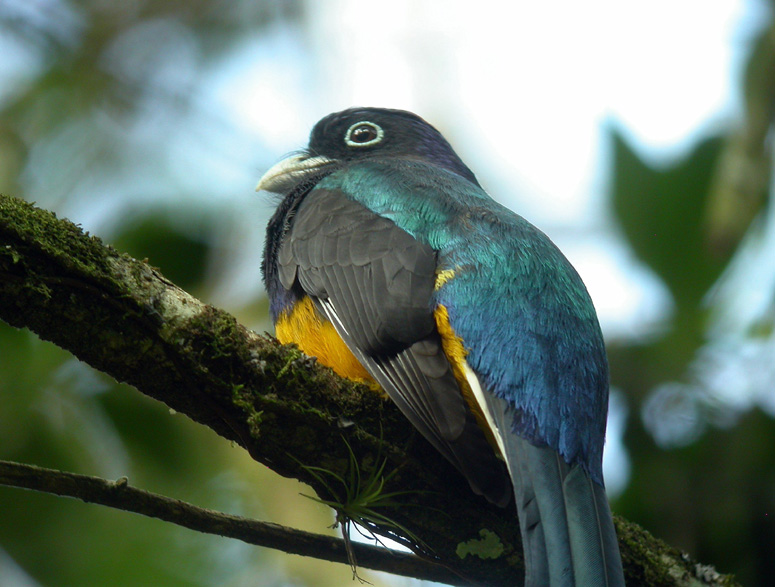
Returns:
<point x="387" y="260"/>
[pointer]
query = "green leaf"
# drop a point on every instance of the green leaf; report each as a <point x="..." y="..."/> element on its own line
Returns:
<point x="662" y="214"/>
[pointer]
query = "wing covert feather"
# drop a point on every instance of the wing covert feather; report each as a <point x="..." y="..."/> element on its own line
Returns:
<point x="374" y="282"/>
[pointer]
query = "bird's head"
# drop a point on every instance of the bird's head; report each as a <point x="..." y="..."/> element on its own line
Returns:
<point x="358" y="134"/>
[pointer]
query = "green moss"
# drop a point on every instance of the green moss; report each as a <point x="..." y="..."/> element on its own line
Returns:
<point x="11" y="252"/>
<point x="489" y="545"/>
<point x="294" y="355"/>
<point x="254" y="422"/>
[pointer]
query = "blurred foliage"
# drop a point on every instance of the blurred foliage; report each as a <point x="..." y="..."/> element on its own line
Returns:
<point x="703" y="470"/>
<point x="103" y="89"/>
<point x="661" y="213"/>
<point x="181" y="256"/>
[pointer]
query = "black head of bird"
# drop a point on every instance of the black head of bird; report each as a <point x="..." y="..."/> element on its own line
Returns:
<point x="364" y="133"/>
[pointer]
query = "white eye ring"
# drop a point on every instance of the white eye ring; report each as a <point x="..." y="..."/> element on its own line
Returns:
<point x="365" y="124"/>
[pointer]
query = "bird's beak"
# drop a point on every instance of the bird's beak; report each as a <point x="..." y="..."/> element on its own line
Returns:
<point x="285" y="175"/>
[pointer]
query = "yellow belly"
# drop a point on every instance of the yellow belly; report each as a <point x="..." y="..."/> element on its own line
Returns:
<point x="317" y="337"/>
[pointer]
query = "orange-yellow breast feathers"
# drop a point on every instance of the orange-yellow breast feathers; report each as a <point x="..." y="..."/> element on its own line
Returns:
<point x="317" y="337"/>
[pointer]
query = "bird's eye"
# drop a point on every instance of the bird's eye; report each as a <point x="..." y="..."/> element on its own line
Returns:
<point x="363" y="134"/>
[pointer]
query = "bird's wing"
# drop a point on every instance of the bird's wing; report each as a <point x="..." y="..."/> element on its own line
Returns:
<point x="374" y="282"/>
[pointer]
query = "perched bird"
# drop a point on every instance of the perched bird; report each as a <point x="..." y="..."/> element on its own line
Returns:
<point x="388" y="262"/>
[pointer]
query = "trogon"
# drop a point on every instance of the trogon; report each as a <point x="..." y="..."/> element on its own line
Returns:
<point x="387" y="261"/>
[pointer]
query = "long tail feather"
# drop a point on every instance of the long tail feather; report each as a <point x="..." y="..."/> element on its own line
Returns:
<point x="567" y="530"/>
<point x="591" y="531"/>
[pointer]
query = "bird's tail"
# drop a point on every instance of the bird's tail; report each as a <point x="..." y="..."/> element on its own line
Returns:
<point x="567" y="530"/>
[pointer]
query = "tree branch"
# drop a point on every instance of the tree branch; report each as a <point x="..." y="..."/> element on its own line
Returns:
<point x="120" y="495"/>
<point x="124" y="318"/>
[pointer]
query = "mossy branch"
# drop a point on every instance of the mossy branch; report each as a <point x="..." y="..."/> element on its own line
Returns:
<point x="123" y="317"/>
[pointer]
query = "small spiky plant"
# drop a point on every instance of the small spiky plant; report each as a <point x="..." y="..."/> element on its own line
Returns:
<point x="358" y="500"/>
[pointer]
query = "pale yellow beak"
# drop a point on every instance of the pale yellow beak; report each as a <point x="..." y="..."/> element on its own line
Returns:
<point x="285" y="175"/>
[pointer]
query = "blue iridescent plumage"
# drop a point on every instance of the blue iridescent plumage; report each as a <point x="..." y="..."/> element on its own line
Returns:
<point x="517" y="303"/>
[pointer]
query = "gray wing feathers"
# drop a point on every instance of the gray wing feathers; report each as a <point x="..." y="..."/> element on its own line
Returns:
<point x="374" y="282"/>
